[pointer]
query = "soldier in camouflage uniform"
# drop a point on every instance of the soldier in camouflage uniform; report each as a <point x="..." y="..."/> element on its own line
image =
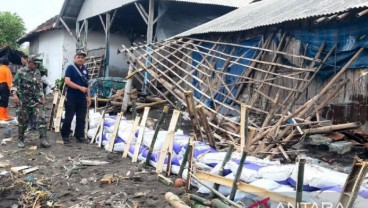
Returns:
<point x="30" y="97"/>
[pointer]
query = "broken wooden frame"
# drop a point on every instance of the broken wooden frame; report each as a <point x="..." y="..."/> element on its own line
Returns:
<point x="271" y="89"/>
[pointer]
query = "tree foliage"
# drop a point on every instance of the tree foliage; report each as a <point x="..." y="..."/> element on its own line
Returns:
<point x="11" y="29"/>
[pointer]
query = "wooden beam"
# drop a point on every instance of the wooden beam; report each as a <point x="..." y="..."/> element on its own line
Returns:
<point x="142" y="126"/>
<point x="131" y="136"/>
<point x="103" y="23"/>
<point x="353" y="183"/>
<point x="245" y="187"/>
<point x="141" y="11"/>
<point x="114" y="132"/>
<point x="167" y="146"/>
<point x="68" y="29"/>
<point x="207" y="128"/>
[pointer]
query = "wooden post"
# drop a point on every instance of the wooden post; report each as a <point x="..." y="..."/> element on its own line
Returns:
<point x="114" y="132"/>
<point x="226" y="159"/>
<point x="157" y="129"/>
<point x="100" y="125"/>
<point x="168" y="145"/>
<point x="178" y="107"/>
<point x="127" y="89"/>
<point x="134" y="109"/>
<point x="193" y="114"/>
<point x="54" y="102"/>
<point x="184" y="160"/>
<point x="237" y="175"/>
<point x="150" y="23"/>
<point x="60" y="110"/>
<point x="95" y="102"/>
<point x="190" y="162"/>
<point x="244" y="127"/>
<point x="353" y="183"/>
<point x="140" y="135"/>
<point x="299" y="185"/>
<point x="207" y="129"/>
<point x="131" y="136"/>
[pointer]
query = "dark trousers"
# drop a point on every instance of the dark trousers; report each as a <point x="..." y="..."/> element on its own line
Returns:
<point x="4" y="95"/>
<point x="79" y="108"/>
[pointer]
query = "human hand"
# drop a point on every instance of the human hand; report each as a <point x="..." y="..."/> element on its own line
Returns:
<point x="16" y="98"/>
<point x="88" y="101"/>
<point x="83" y="89"/>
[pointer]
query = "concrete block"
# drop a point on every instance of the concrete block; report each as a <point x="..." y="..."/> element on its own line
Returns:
<point x="317" y="139"/>
<point x="341" y="147"/>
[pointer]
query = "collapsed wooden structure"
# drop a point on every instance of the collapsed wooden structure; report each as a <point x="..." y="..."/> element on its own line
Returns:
<point x="275" y="91"/>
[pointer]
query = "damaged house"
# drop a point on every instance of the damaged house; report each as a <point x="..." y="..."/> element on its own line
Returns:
<point x="298" y="67"/>
<point x="101" y="28"/>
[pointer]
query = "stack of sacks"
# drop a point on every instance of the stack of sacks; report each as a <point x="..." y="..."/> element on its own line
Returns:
<point x="262" y="173"/>
<point x="317" y="177"/>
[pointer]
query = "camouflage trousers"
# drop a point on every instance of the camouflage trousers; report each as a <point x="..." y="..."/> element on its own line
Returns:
<point x="24" y="113"/>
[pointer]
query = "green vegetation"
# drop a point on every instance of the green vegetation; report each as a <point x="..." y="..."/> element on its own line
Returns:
<point x="11" y="29"/>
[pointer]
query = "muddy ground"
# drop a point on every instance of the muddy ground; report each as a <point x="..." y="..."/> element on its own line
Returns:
<point x="136" y="186"/>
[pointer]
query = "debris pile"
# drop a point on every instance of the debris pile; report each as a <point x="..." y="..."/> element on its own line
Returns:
<point x="224" y="76"/>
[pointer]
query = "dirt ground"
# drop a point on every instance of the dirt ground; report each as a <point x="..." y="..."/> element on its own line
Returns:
<point x="136" y="185"/>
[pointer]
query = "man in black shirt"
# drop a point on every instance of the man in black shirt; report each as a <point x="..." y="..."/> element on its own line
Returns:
<point x="77" y="98"/>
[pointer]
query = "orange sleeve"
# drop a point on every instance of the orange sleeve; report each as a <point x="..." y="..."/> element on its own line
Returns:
<point x="9" y="78"/>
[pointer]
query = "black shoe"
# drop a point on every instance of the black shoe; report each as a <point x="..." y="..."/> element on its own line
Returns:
<point x="66" y="141"/>
<point x="82" y="140"/>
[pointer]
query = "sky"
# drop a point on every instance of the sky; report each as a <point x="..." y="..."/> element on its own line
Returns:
<point x="33" y="12"/>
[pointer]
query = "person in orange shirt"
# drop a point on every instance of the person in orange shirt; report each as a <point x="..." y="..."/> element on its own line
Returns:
<point x="6" y="79"/>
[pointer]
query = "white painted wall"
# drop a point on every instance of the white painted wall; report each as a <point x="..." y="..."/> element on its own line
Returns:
<point x="92" y="8"/>
<point x="50" y="44"/>
<point x="58" y="49"/>
<point x="68" y="50"/>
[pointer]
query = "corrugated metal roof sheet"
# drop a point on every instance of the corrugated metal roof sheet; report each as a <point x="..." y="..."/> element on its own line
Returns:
<point x="229" y="3"/>
<point x="270" y="12"/>
<point x="71" y="8"/>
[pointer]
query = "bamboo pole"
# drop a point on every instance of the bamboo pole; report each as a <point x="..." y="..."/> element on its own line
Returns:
<point x="249" y="47"/>
<point x="257" y="61"/>
<point x="254" y="68"/>
<point x="237" y="175"/>
<point x="175" y="201"/>
<point x="299" y="183"/>
<point x="226" y="159"/>
<point x="328" y="129"/>
<point x="157" y="129"/>
<point x="193" y="114"/>
<point x="207" y="129"/>
<point x="222" y="197"/>
<point x="190" y="163"/>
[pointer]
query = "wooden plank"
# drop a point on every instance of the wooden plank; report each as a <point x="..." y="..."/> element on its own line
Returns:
<point x="353" y="183"/>
<point x="59" y="113"/>
<point x="193" y="114"/>
<point x="29" y="170"/>
<point x="131" y="136"/>
<point x="140" y="135"/>
<point x="261" y="192"/>
<point x="206" y="126"/>
<point x="243" y="127"/>
<point x="54" y="103"/>
<point x="168" y="141"/>
<point x="114" y="132"/>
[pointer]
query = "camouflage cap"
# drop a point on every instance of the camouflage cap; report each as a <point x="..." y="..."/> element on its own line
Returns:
<point x="35" y="60"/>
